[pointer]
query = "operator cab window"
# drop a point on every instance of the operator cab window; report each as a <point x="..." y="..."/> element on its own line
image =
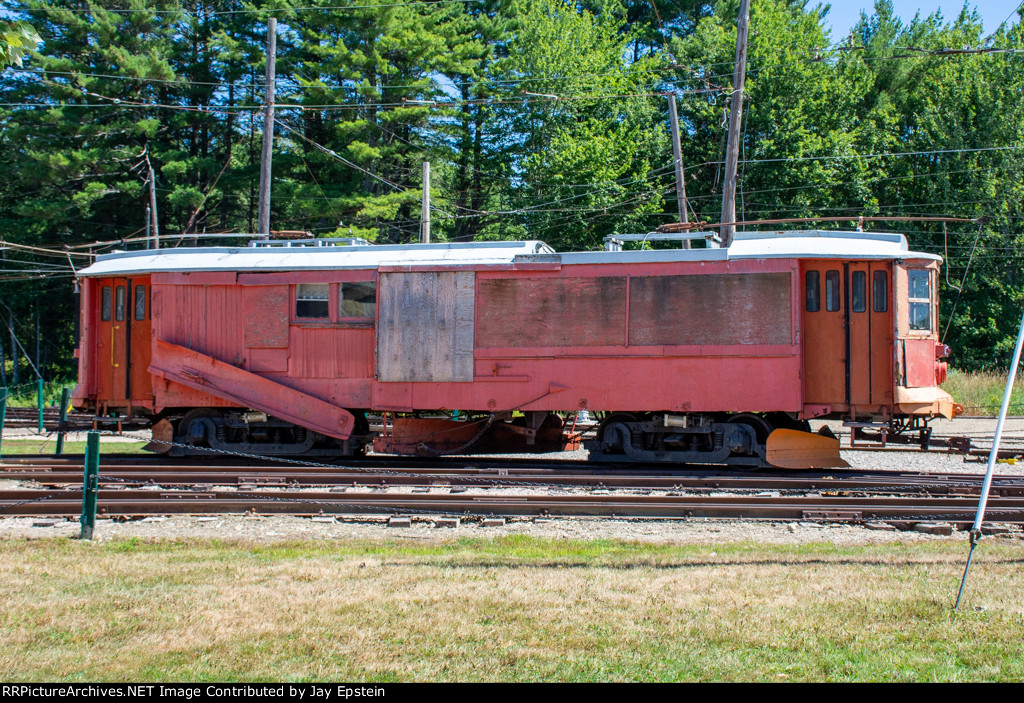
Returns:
<point x="140" y="302"/>
<point x="813" y="286"/>
<point x="880" y="294"/>
<point x="119" y="305"/>
<point x="358" y="300"/>
<point x="831" y="291"/>
<point x="312" y="300"/>
<point x="859" y="291"/>
<point x="105" y="305"/>
<point x="920" y="289"/>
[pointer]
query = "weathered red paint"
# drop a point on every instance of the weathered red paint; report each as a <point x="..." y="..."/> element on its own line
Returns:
<point x="204" y="373"/>
<point x="547" y="337"/>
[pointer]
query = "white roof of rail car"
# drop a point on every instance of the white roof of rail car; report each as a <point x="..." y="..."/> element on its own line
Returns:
<point x="814" y="244"/>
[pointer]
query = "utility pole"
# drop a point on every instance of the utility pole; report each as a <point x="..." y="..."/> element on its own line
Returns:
<point x="732" y="156"/>
<point x="268" y="130"/>
<point x="425" y="216"/>
<point x="151" y="218"/>
<point x="677" y="158"/>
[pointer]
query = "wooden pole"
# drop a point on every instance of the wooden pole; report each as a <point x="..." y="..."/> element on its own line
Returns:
<point x="677" y="158"/>
<point x="151" y="210"/>
<point x="732" y="155"/>
<point x="425" y="216"/>
<point x="268" y="130"/>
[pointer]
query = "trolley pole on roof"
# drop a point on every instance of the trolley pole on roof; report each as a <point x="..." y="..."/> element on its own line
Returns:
<point x="268" y="130"/>
<point x="677" y="158"/>
<point x="732" y="155"/>
<point x="986" y="485"/>
<point x="425" y="216"/>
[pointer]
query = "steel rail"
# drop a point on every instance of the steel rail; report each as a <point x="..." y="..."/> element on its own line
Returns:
<point x="949" y="484"/>
<point x="956" y="510"/>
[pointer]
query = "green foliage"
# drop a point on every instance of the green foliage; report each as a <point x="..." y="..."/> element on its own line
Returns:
<point x="541" y="119"/>
<point x="16" y="40"/>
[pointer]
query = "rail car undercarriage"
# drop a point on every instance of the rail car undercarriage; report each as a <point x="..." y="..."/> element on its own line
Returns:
<point x="748" y="440"/>
<point x="739" y="439"/>
<point x="250" y="432"/>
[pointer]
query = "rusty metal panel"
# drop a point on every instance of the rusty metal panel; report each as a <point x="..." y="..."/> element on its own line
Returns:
<point x="265" y="311"/>
<point x="425" y="326"/>
<point x="726" y="309"/>
<point x="551" y="312"/>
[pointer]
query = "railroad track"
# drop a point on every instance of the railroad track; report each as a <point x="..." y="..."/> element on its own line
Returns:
<point x="900" y="509"/>
<point x="501" y="487"/>
<point x="58" y="472"/>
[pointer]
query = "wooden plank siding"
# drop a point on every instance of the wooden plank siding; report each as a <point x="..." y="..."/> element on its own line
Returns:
<point x="425" y="326"/>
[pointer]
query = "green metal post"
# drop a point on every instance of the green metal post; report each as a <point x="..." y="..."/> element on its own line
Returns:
<point x="39" y="402"/>
<point x="90" y="483"/>
<point x="3" y="412"/>
<point x="64" y="398"/>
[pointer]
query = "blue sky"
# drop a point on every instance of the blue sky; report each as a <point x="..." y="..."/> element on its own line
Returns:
<point x="845" y="13"/>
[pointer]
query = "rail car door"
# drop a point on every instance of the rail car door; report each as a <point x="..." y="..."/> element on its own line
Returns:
<point x="140" y="340"/>
<point x="112" y="359"/>
<point x="848" y="333"/>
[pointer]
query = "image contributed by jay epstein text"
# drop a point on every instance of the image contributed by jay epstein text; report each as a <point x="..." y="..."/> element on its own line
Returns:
<point x="302" y="692"/>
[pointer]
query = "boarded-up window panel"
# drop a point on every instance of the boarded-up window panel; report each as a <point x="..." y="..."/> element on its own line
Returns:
<point x="714" y="309"/>
<point x="553" y="312"/>
<point x="266" y="316"/>
<point x="425" y="326"/>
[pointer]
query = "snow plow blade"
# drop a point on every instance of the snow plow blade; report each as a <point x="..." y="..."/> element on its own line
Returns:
<point x="793" y="449"/>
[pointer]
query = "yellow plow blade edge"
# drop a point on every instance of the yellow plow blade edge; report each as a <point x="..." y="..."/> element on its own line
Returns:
<point x="793" y="449"/>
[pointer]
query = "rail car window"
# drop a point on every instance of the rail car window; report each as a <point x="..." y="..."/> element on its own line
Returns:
<point x="880" y="293"/>
<point x="312" y="300"/>
<point x="831" y="291"/>
<point x="119" y="304"/>
<point x="359" y="299"/>
<point x="140" y="302"/>
<point x="859" y="291"/>
<point x="105" y="305"/>
<point x="812" y="282"/>
<point x="919" y="284"/>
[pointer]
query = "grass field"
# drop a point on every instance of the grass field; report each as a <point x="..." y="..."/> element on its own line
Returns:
<point x="12" y="447"/>
<point x="517" y="608"/>
<point x="981" y="392"/>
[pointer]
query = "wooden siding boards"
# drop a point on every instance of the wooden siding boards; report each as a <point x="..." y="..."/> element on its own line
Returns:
<point x="552" y="312"/>
<point x="718" y="309"/>
<point x="425" y="326"/>
<point x="266" y="315"/>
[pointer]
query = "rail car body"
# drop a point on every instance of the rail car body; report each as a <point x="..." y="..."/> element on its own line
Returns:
<point x="693" y="355"/>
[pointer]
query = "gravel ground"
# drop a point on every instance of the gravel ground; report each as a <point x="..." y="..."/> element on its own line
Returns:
<point x="286" y="528"/>
<point x="689" y="531"/>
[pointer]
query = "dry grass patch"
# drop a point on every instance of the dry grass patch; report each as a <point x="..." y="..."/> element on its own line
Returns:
<point x="505" y="609"/>
<point x="981" y="392"/>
